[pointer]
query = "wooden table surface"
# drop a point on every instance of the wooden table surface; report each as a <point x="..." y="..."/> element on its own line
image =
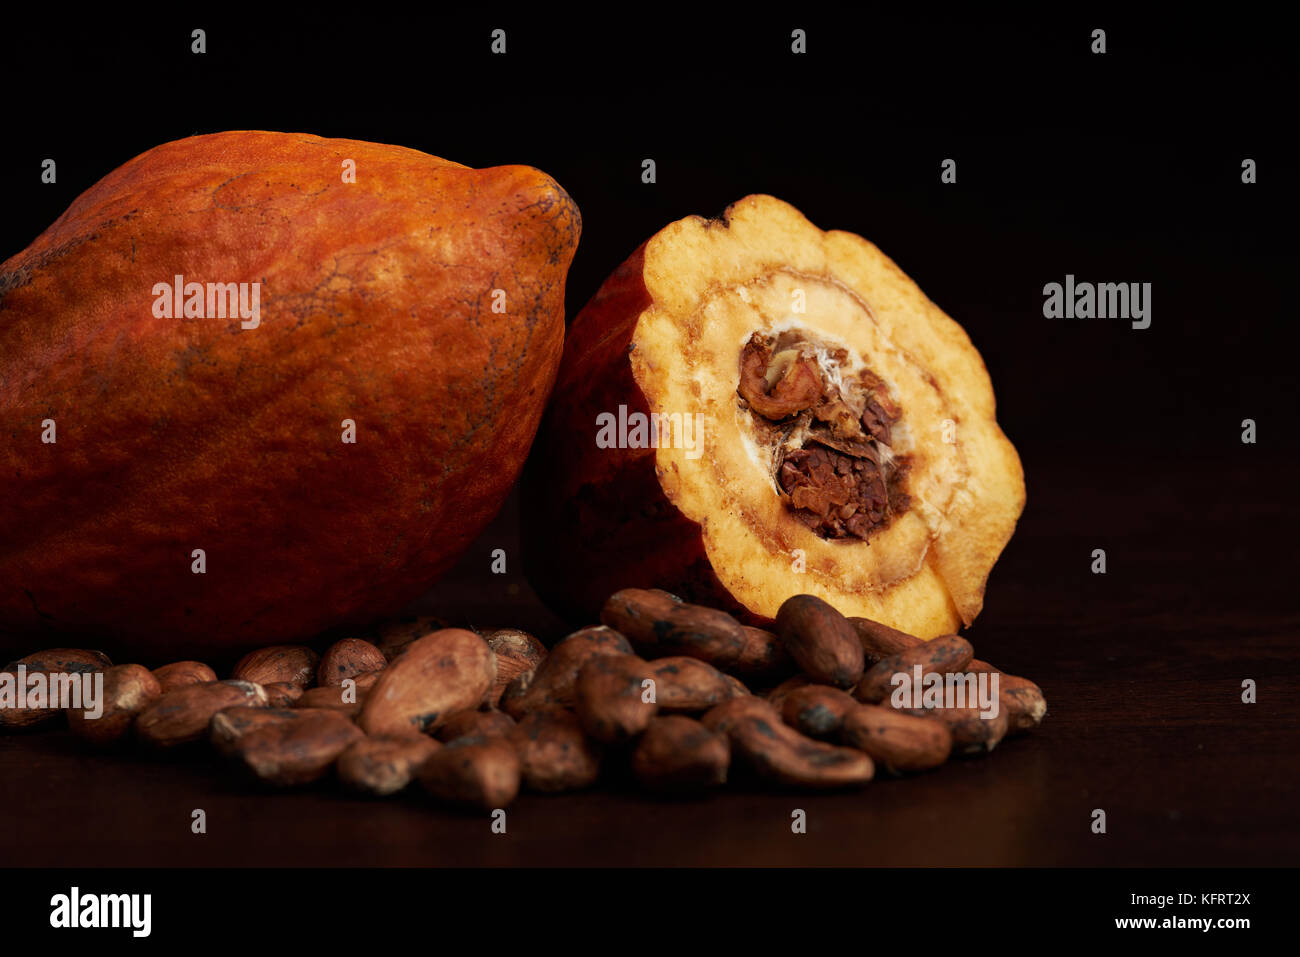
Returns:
<point x="1142" y="668"/>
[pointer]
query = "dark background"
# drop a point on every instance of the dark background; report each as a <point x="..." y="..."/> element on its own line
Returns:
<point x="1124" y="167"/>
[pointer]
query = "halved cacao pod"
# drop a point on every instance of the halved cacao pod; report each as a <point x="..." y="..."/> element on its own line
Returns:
<point x="849" y="448"/>
<point x="413" y="299"/>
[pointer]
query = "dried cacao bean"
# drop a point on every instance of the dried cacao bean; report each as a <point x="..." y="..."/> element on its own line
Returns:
<point x="611" y="697"/>
<point x="971" y="732"/>
<point x="658" y="624"/>
<point x="294" y="664"/>
<point x="1020" y="698"/>
<point x="128" y="690"/>
<point x="688" y="685"/>
<point x="947" y="654"/>
<point x="348" y="658"/>
<point x="182" y="674"/>
<point x="282" y="694"/>
<point x="476" y="723"/>
<point x="517" y="652"/>
<point x="397" y="636"/>
<point x="384" y="764"/>
<point x="482" y="772"/>
<point x="817" y="710"/>
<point x="554" y="752"/>
<point x="553" y="681"/>
<point x="779" y="753"/>
<point x="679" y="754"/>
<point x="346" y="701"/>
<point x="898" y="741"/>
<point x="776" y="697"/>
<point x="183" y="715"/>
<point x="442" y="673"/>
<point x="821" y="641"/>
<point x="297" y="750"/>
<point x="229" y="725"/>
<point x="881" y="641"/>
<point x="71" y="661"/>
<point x="763" y="657"/>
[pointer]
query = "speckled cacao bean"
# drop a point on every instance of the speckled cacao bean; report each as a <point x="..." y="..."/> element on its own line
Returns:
<point x="554" y="752"/>
<point x="481" y="772"/>
<point x="688" y="685"/>
<point x="182" y="716"/>
<point x="897" y="741"/>
<point x="658" y="625"/>
<point x="128" y="690"/>
<point x="348" y="659"/>
<point x="817" y="710"/>
<point x="679" y="754"/>
<point x="779" y="753"/>
<point x="438" y="675"/>
<point x="947" y="654"/>
<point x="821" y="641"/>
<point x="475" y="723"/>
<point x="298" y="750"/>
<point x="552" y="682"/>
<point x="282" y="694"/>
<point x="182" y="674"/>
<point x="613" y="698"/>
<point x="384" y="764"/>
<point x="395" y="637"/>
<point x="517" y="652"/>
<point x="295" y="664"/>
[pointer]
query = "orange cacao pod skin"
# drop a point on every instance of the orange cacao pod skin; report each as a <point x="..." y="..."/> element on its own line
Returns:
<point x="175" y="434"/>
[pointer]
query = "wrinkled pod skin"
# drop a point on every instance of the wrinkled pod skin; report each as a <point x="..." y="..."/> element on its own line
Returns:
<point x="423" y="303"/>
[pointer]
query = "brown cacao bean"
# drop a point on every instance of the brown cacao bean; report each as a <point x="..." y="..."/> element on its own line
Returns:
<point x="553" y="681"/>
<point x="182" y="674"/>
<point x="395" y="637"/>
<point x="485" y="724"/>
<point x="679" y="754"/>
<point x="71" y="661"/>
<point x="295" y="664"/>
<point x="612" y="697"/>
<point x="1025" y="701"/>
<point x="183" y="715"/>
<point x="947" y="654"/>
<point x="688" y="685"/>
<point x="282" y="694"/>
<point x="821" y="641"/>
<point x="348" y="659"/>
<point x="346" y="701"/>
<point x="900" y="742"/>
<point x="817" y="710"/>
<point x="384" y="764"/>
<point x="881" y="641"/>
<point x="657" y="624"/>
<point x="297" y="750"/>
<point x="776" y="697"/>
<point x="438" y="675"/>
<point x="971" y="732"/>
<point x="229" y="725"/>
<point x="763" y="657"/>
<point x="779" y="753"/>
<point x="517" y="652"/>
<point x="482" y="772"/>
<point x="554" y="752"/>
<point x="1020" y="698"/>
<point x="37" y="711"/>
<point x="128" y="690"/>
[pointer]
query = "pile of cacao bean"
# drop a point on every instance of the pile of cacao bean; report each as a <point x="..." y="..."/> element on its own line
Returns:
<point x="660" y="689"/>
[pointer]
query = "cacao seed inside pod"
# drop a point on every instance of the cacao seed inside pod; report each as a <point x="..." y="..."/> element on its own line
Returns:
<point x="770" y="408"/>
